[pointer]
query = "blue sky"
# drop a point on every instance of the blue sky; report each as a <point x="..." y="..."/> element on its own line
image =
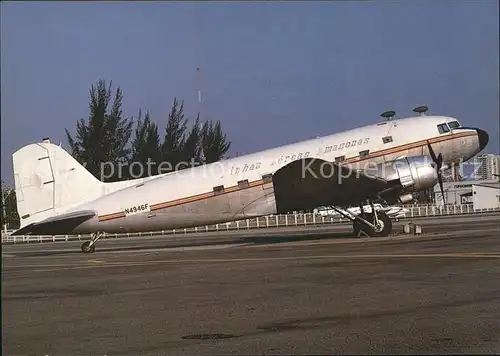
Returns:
<point x="272" y="72"/>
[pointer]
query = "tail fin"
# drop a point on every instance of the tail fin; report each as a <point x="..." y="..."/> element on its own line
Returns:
<point x="46" y="178"/>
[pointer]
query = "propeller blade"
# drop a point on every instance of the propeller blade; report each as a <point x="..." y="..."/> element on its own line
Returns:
<point x="431" y="152"/>
<point x="440" y="178"/>
<point x="438" y="160"/>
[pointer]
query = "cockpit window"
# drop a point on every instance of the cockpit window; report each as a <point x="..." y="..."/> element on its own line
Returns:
<point x="443" y="128"/>
<point x="454" y="125"/>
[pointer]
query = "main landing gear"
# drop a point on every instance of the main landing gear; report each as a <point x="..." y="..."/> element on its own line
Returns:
<point x="373" y="224"/>
<point x="89" y="246"/>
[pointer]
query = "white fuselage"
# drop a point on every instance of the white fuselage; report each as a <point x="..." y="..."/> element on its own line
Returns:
<point x="409" y="137"/>
<point x="190" y="197"/>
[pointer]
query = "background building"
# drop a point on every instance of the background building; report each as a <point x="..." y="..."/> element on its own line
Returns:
<point x="458" y="193"/>
<point x="486" y="196"/>
<point x="488" y="166"/>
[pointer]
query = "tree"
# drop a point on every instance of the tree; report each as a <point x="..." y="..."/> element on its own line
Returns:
<point x="11" y="217"/>
<point x="192" y="145"/>
<point x="174" y="140"/>
<point x="214" y="142"/>
<point x="102" y="141"/>
<point x="145" y="147"/>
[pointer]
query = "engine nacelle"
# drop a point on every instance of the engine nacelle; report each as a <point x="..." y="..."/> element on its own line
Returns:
<point x="405" y="198"/>
<point x="413" y="174"/>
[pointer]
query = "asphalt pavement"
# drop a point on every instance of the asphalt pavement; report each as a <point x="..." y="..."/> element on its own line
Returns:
<point x="299" y="291"/>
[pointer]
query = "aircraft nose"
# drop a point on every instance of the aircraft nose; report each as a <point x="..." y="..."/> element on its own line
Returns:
<point x="483" y="138"/>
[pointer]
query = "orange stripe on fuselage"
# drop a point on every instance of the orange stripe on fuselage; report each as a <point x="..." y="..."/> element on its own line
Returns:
<point x="235" y="188"/>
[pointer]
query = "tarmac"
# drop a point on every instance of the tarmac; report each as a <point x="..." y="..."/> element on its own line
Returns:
<point x="300" y="290"/>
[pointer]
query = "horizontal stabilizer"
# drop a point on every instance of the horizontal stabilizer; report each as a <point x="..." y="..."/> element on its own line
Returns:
<point x="58" y="224"/>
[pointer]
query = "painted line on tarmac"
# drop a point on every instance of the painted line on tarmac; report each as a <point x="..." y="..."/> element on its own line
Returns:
<point x="116" y="250"/>
<point x="179" y="248"/>
<point x="103" y="264"/>
<point x="352" y="240"/>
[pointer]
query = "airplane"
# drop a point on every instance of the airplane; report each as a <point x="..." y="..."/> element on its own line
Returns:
<point x="387" y="161"/>
<point x="394" y="212"/>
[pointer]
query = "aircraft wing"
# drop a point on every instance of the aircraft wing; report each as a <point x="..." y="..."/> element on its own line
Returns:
<point x="56" y="224"/>
<point x="312" y="182"/>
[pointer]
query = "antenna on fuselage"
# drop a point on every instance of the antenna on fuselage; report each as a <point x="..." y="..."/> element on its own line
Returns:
<point x="421" y="110"/>
<point x="388" y="115"/>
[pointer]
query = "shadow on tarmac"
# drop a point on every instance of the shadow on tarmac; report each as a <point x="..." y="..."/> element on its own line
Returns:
<point x="257" y="240"/>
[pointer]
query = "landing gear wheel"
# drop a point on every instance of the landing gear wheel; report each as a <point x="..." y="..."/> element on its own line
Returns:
<point x="89" y="246"/>
<point x="383" y="228"/>
<point x="86" y="248"/>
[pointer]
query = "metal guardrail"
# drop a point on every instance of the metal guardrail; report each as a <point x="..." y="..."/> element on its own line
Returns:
<point x="291" y="220"/>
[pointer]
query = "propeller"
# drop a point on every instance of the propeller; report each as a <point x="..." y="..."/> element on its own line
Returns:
<point x="438" y="160"/>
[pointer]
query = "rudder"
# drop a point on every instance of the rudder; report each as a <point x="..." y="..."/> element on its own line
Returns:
<point x="49" y="181"/>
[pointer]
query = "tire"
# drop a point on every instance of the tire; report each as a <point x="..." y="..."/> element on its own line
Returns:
<point x="86" y="248"/>
<point x="383" y="219"/>
<point x="387" y="224"/>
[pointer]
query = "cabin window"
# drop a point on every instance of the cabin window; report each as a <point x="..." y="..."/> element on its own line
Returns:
<point x="443" y="128"/>
<point x="243" y="183"/>
<point x="364" y="153"/>
<point x="267" y="178"/>
<point x="219" y="189"/>
<point x="339" y="159"/>
<point x="454" y="125"/>
<point x="387" y="139"/>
